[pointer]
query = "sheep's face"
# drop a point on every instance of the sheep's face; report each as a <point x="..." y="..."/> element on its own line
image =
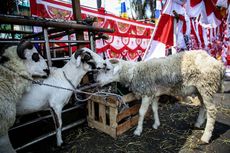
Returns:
<point x="111" y="73"/>
<point x="24" y="54"/>
<point x="35" y="64"/>
<point x="89" y="60"/>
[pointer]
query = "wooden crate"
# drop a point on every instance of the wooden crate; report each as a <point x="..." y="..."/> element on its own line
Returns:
<point x="104" y="114"/>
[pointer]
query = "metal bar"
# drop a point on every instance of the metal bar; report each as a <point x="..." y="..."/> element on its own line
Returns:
<point x="16" y="31"/>
<point x="18" y="41"/>
<point x="44" y="117"/>
<point x="92" y="43"/>
<point x="51" y="134"/>
<point x="69" y="47"/>
<point x="20" y="20"/>
<point x="48" y="55"/>
<point x="60" y="58"/>
<point x="63" y="46"/>
<point x="40" y="34"/>
<point x="69" y="41"/>
<point x="62" y="33"/>
<point x="77" y="16"/>
<point x="50" y="41"/>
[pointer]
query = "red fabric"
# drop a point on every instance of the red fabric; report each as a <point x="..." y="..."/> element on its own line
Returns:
<point x="200" y="30"/>
<point x="194" y="2"/>
<point x="165" y="30"/>
<point x="130" y="37"/>
<point x="211" y="8"/>
<point x="193" y="33"/>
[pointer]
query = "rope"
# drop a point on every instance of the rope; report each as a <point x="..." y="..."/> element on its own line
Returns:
<point x="74" y="90"/>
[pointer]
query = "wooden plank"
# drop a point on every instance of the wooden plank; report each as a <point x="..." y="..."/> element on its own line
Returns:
<point x="93" y="110"/>
<point x="129" y="98"/>
<point x="128" y="112"/>
<point x="101" y="127"/>
<point x="102" y="115"/>
<point x="77" y="16"/>
<point x="127" y="125"/>
<point x="109" y="102"/>
<point x="113" y="117"/>
<point x="89" y="105"/>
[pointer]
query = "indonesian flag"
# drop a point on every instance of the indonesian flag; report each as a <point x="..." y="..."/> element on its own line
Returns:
<point x="163" y="35"/>
<point x="207" y="10"/>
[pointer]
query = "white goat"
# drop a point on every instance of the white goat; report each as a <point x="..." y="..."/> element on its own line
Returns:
<point x="42" y="97"/>
<point x="16" y="64"/>
<point x="182" y="74"/>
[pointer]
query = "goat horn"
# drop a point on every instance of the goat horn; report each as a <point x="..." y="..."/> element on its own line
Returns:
<point x="24" y="44"/>
<point x="78" y="52"/>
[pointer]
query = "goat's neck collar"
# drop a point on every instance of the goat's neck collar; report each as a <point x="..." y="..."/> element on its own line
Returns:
<point x="71" y="72"/>
<point x="68" y="80"/>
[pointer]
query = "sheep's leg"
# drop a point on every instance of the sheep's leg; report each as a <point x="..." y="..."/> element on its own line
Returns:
<point x="142" y="111"/>
<point x="201" y="117"/>
<point x="155" y="112"/>
<point x="211" y="117"/>
<point x="58" y="124"/>
<point x="5" y="145"/>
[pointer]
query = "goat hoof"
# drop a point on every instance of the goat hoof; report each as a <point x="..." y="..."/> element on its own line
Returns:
<point x="155" y="126"/>
<point x="205" y="139"/>
<point x="137" y="132"/>
<point x="197" y="125"/>
<point x="60" y="144"/>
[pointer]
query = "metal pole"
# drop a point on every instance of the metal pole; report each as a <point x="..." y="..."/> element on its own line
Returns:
<point x="69" y="47"/>
<point x="92" y="42"/>
<point x="48" y="23"/>
<point x="51" y="134"/>
<point x="48" y="55"/>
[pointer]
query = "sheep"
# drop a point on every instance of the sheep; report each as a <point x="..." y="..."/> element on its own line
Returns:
<point x="55" y="99"/>
<point x="17" y="66"/>
<point x="182" y="74"/>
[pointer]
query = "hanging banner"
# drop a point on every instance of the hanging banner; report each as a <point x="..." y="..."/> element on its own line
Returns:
<point x="129" y="40"/>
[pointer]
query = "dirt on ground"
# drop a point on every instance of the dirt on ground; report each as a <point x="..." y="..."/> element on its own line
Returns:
<point x="175" y="134"/>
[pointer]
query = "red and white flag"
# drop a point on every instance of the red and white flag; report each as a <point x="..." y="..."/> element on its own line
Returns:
<point x="163" y="35"/>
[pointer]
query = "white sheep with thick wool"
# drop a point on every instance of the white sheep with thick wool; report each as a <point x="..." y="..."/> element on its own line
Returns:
<point x="182" y="74"/>
<point x="83" y="61"/>
<point x="17" y="66"/>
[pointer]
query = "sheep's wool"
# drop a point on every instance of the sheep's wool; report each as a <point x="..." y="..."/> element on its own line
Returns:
<point x="170" y="75"/>
<point x="12" y="87"/>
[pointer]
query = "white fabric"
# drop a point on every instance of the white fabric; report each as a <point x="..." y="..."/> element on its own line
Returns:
<point x="156" y="50"/>
<point x="222" y="3"/>
<point x="158" y="5"/>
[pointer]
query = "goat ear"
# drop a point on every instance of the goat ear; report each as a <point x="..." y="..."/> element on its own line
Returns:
<point x="86" y="56"/>
<point x="116" y="69"/>
<point x="78" y="61"/>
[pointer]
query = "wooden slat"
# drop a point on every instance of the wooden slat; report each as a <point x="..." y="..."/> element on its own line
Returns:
<point x="89" y="105"/>
<point x="93" y="110"/>
<point x="113" y="117"/>
<point x="109" y="101"/>
<point x="101" y="127"/>
<point x="102" y="115"/>
<point x="129" y="98"/>
<point x="127" y="125"/>
<point x="128" y="112"/>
